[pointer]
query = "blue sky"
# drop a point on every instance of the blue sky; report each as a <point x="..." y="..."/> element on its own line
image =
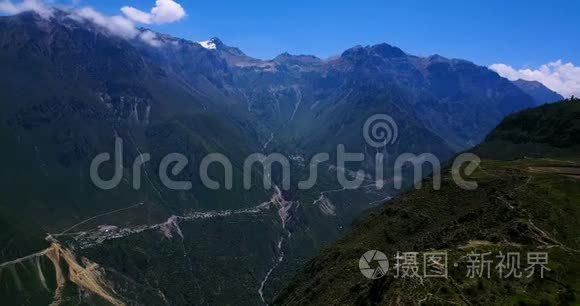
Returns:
<point x="519" y="33"/>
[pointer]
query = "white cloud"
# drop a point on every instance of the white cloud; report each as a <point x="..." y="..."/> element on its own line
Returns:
<point x="8" y="7"/>
<point x="117" y="25"/>
<point x="136" y="15"/>
<point x="150" y="38"/>
<point x="563" y="78"/>
<point x="164" y="11"/>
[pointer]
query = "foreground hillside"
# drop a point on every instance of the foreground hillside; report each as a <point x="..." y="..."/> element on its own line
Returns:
<point x="546" y="130"/>
<point x="523" y="205"/>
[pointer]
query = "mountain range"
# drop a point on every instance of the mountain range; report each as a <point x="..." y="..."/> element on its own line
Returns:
<point x="69" y="87"/>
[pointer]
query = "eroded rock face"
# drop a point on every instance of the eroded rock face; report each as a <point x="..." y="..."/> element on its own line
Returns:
<point x="58" y="270"/>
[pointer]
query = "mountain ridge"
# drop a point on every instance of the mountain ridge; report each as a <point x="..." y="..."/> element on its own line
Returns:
<point x="538" y="91"/>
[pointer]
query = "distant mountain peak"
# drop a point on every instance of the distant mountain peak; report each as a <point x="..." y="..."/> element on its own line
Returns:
<point x="387" y="51"/>
<point x="211" y="44"/>
<point x="285" y="57"/>
<point x="382" y="50"/>
<point x="215" y="43"/>
<point x="284" y="54"/>
<point x="529" y="83"/>
<point x="437" y="58"/>
<point x="538" y="91"/>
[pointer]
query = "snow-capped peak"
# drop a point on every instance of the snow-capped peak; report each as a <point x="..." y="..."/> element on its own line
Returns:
<point x="208" y="44"/>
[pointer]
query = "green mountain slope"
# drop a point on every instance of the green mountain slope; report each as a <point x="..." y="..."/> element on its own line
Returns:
<point x="546" y="130"/>
<point x="524" y="205"/>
